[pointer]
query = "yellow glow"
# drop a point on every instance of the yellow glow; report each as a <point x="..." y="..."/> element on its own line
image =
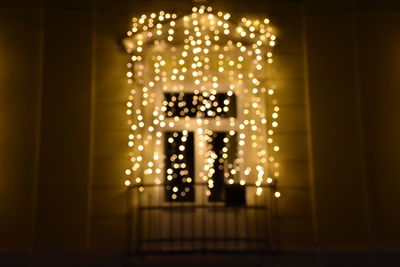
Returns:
<point x="259" y="191"/>
<point x="208" y="63"/>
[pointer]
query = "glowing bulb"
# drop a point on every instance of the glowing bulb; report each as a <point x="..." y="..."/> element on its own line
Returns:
<point x="259" y="191"/>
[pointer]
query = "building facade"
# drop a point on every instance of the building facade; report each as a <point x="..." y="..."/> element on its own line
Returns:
<point x="64" y="136"/>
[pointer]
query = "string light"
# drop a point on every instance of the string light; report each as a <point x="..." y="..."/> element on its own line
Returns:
<point x="206" y="54"/>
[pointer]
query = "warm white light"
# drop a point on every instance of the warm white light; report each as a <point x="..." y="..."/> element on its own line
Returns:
<point x="214" y="56"/>
<point x="259" y="191"/>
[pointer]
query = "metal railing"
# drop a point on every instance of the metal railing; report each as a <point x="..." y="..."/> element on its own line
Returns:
<point x="159" y="226"/>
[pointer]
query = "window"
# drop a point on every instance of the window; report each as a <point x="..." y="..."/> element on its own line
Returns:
<point x="180" y="145"/>
<point x="202" y="106"/>
<point x="179" y="162"/>
<point x="203" y="114"/>
<point x="201" y="82"/>
<point x="224" y="145"/>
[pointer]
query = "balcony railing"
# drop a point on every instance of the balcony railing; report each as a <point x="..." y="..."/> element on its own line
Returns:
<point x="159" y="226"/>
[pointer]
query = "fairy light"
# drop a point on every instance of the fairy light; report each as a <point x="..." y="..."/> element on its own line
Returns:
<point x="207" y="54"/>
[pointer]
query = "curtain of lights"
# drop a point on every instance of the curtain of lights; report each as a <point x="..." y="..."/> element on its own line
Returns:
<point x="200" y="64"/>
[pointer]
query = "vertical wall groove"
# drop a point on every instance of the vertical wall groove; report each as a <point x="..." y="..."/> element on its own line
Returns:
<point x="309" y="130"/>
<point x="39" y="122"/>
<point x="91" y="128"/>
<point x="360" y="127"/>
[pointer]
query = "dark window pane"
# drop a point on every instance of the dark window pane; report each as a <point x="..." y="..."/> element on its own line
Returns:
<point x="235" y="195"/>
<point x="192" y="105"/>
<point x="179" y="166"/>
<point x="222" y="164"/>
